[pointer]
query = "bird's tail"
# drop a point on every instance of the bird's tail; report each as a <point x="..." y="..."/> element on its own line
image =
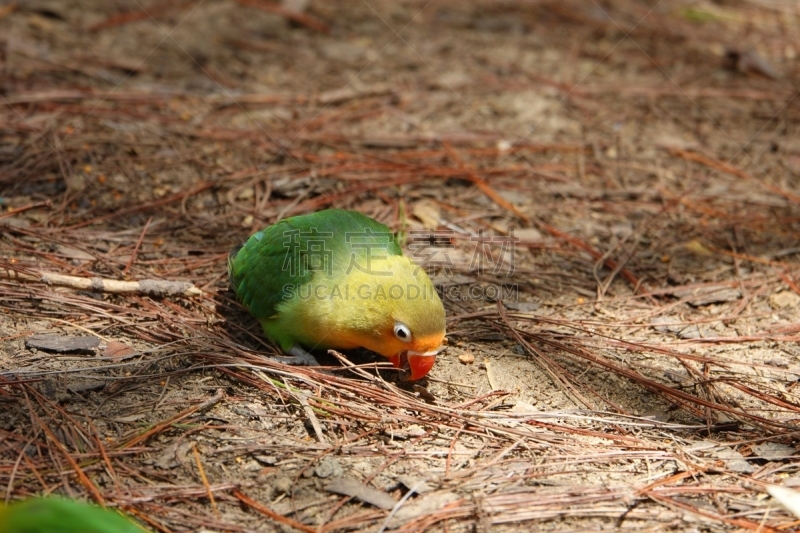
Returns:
<point x="231" y="259"/>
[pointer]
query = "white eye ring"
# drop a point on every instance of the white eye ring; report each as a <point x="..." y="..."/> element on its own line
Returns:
<point x="402" y="332"/>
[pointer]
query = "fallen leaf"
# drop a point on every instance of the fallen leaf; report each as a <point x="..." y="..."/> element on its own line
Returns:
<point x="420" y="486"/>
<point x="777" y="361"/>
<point x="667" y="324"/>
<point x="514" y="196"/>
<point x="528" y="234"/>
<point x="749" y="62"/>
<point x="787" y="497"/>
<point x="119" y="350"/>
<point x="63" y="343"/>
<point x="690" y="332"/>
<point x="53" y="389"/>
<point x="360" y="491"/>
<point x="523" y="408"/>
<point x="74" y="253"/>
<point x="734" y="461"/>
<point x="296" y="6"/>
<point x="708" y="295"/>
<point x="424" y="393"/>
<point x="415" y="430"/>
<point x="697" y="248"/>
<point x="523" y="307"/>
<point x="428" y="212"/>
<point x="83" y="385"/>
<point x="166" y="459"/>
<point x="784" y="299"/>
<point x="621" y="230"/>
<point x="75" y="181"/>
<point x="702" y="446"/>
<point x="328" y="467"/>
<point x="774" y="451"/>
<point x="129" y="419"/>
<point x="430" y="503"/>
<point x="490" y="376"/>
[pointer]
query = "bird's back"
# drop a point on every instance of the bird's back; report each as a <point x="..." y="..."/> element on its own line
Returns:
<point x="288" y="254"/>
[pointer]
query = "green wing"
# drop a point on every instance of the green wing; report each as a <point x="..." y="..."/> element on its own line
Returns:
<point x="288" y="254"/>
<point x="59" y="515"/>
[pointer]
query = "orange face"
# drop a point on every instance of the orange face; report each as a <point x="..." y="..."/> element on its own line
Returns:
<point x="420" y="353"/>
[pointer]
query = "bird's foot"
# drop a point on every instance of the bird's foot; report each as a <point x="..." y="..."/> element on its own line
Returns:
<point x="299" y="357"/>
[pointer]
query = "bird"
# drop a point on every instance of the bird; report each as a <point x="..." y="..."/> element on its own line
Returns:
<point x="338" y="279"/>
<point x="61" y="515"/>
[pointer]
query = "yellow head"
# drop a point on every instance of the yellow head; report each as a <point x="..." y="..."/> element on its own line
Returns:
<point x="398" y="314"/>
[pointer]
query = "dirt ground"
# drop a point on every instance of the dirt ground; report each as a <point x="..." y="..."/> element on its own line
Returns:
<point x="611" y="195"/>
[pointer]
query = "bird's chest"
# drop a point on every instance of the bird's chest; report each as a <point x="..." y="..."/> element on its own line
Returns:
<point x="332" y="314"/>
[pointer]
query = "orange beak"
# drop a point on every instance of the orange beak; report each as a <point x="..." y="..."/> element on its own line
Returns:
<point x="420" y="363"/>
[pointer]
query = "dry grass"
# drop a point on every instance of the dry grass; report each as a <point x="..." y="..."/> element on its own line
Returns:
<point x="644" y="376"/>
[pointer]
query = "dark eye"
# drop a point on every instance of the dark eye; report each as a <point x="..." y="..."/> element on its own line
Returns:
<point x="402" y="332"/>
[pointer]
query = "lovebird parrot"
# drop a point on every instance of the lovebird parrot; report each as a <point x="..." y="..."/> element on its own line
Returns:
<point x="338" y="279"/>
<point x="60" y="515"/>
